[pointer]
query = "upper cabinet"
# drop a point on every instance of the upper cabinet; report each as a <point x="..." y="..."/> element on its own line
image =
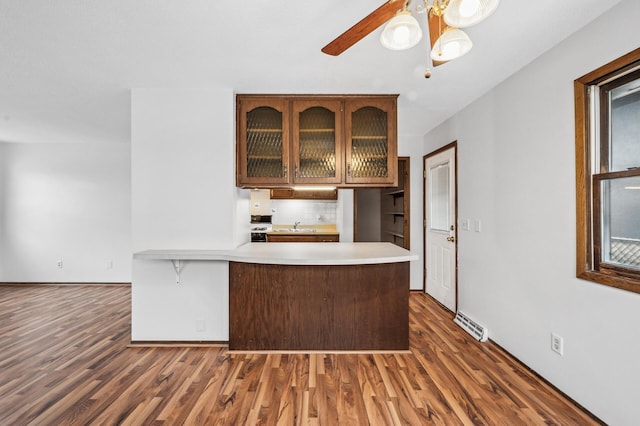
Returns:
<point x="317" y="141"/>
<point x="371" y="144"/>
<point x="344" y="141"/>
<point x="263" y="141"/>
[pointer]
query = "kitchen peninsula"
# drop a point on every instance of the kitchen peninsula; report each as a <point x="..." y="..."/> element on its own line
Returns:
<point x="291" y="296"/>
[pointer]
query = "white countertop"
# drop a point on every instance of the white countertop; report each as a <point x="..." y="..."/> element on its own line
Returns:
<point x="292" y="254"/>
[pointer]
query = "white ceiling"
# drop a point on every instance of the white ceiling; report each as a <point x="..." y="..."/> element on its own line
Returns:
<point x="66" y="66"/>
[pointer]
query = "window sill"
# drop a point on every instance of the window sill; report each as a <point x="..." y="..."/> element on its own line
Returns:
<point x="623" y="283"/>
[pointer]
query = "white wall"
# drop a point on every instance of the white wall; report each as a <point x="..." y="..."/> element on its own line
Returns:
<point x="243" y="218"/>
<point x="517" y="276"/>
<point x="69" y="202"/>
<point x="184" y="197"/>
<point x="345" y="215"/>
<point x="411" y="146"/>
<point x="183" y="168"/>
<point x="3" y="204"/>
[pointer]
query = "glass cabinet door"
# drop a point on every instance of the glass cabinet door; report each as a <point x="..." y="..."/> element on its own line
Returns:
<point x="371" y="141"/>
<point x="263" y="150"/>
<point x="317" y="130"/>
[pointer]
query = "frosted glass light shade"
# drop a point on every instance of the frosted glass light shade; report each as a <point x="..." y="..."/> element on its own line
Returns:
<point x="401" y="32"/>
<point x="452" y="44"/>
<point x="464" y="13"/>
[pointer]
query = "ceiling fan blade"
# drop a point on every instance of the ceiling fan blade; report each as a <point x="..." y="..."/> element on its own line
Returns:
<point x="367" y="25"/>
<point x="436" y="28"/>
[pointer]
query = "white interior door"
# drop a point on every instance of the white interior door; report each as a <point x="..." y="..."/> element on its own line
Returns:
<point x="440" y="227"/>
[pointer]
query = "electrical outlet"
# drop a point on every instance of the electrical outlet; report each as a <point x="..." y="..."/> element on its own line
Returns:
<point x="60" y="264"/>
<point x="557" y="344"/>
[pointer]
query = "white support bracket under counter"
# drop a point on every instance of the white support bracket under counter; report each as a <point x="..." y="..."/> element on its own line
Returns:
<point x="176" y="267"/>
<point x="178" y="257"/>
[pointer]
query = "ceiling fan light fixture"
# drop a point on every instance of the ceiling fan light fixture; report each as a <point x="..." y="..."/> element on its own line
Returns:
<point x="401" y="32"/>
<point x="464" y="13"/>
<point x="452" y="44"/>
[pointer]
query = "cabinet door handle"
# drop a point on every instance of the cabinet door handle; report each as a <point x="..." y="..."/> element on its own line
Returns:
<point x="296" y="170"/>
<point x="349" y="169"/>
<point x="285" y="170"/>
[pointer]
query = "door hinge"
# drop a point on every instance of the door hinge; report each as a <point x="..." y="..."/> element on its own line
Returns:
<point x="424" y="174"/>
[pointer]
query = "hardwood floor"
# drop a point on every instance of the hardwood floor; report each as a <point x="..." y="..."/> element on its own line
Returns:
<point x="64" y="360"/>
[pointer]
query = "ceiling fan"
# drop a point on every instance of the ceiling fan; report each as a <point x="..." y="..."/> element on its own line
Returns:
<point x="444" y="17"/>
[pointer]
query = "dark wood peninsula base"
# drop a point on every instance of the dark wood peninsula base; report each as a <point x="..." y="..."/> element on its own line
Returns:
<point x="319" y="307"/>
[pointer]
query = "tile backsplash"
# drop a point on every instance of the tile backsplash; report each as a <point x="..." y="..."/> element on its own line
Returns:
<point x="307" y="212"/>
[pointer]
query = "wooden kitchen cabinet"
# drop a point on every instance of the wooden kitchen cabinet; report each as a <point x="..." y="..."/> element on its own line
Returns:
<point x="297" y="194"/>
<point x="346" y="141"/>
<point x="371" y="141"/>
<point x="317" y="141"/>
<point x="262" y="156"/>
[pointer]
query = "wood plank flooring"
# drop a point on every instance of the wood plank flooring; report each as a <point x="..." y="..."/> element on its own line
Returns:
<point x="64" y="360"/>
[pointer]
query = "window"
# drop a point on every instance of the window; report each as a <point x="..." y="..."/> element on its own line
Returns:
<point x="607" y="107"/>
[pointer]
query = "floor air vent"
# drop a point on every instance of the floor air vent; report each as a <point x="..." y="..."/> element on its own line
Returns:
<point x="471" y="327"/>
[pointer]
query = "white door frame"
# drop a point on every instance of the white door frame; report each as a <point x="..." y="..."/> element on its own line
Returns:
<point x="454" y="233"/>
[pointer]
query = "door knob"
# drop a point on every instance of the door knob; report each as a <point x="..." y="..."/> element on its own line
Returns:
<point x="451" y="239"/>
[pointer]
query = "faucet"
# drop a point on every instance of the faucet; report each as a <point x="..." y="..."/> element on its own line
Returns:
<point x="295" y="225"/>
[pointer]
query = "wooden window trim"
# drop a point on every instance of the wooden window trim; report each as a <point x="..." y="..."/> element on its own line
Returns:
<point x="586" y="267"/>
